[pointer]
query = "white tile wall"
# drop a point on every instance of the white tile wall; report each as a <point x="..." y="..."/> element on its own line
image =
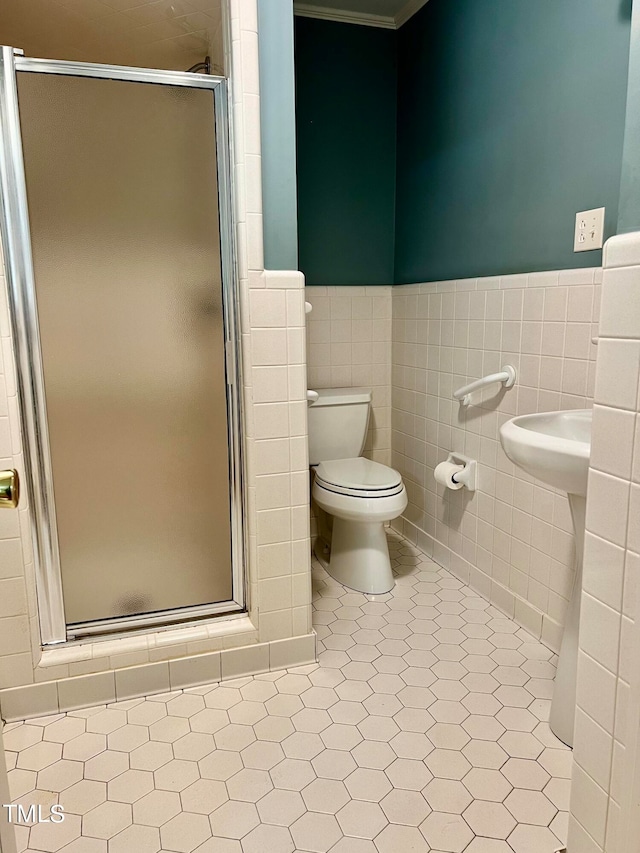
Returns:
<point x="349" y="345"/>
<point x="278" y="456"/>
<point x="278" y="562"/>
<point x="512" y="538"/>
<point x="606" y="783"/>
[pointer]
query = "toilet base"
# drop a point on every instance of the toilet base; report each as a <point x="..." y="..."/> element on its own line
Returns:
<point x="360" y="556"/>
<point x="322" y="552"/>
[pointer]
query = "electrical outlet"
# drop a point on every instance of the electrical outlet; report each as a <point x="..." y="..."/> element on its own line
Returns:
<point x="589" y="230"/>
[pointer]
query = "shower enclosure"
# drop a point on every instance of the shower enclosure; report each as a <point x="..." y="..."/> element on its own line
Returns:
<point x="117" y="231"/>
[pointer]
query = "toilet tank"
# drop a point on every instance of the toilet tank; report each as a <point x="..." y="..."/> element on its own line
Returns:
<point x="338" y="424"/>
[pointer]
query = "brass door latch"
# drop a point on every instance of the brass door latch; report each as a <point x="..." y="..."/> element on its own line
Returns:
<point x="9" y="489"/>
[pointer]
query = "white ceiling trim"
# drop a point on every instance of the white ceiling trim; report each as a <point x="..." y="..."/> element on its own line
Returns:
<point x="307" y="10"/>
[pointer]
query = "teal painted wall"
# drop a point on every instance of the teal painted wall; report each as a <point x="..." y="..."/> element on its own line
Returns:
<point x="629" y="208"/>
<point x="277" y="128"/>
<point x="511" y="118"/>
<point x="346" y="135"/>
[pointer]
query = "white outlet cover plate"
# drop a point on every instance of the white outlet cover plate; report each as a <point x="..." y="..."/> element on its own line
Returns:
<point x="589" y="232"/>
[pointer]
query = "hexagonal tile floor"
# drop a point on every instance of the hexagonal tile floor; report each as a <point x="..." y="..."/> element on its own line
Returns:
<point x="422" y="728"/>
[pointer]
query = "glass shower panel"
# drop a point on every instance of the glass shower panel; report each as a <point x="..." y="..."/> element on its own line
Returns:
<point x="123" y="208"/>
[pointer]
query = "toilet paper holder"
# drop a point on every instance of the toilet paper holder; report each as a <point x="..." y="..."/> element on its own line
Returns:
<point x="468" y="477"/>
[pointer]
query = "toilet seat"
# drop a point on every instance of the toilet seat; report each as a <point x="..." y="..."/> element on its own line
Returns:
<point x="359" y="478"/>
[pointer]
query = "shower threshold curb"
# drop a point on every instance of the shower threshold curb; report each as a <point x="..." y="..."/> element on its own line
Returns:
<point x="132" y="682"/>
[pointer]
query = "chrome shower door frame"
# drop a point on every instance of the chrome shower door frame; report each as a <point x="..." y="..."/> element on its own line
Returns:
<point x="16" y="240"/>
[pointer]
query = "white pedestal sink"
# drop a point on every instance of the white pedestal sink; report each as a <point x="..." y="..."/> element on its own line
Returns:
<point x="555" y="447"/>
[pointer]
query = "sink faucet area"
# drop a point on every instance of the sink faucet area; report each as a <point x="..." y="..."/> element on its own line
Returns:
<point x="555" y="447"/>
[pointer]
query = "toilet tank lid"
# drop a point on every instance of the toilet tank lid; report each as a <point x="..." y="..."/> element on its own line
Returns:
<point x="341" y="396"/>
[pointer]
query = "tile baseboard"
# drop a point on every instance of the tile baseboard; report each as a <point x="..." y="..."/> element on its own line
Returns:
<point x="83" y="691"/>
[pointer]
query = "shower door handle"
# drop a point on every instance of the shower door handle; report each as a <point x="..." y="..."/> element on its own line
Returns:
<point x="9" y="489"/>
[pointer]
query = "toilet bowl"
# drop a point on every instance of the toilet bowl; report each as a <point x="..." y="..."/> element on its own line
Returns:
<point x="359" y="494"/>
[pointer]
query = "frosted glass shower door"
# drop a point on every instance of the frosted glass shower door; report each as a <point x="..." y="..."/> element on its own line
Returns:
<point x="122" y="189"/>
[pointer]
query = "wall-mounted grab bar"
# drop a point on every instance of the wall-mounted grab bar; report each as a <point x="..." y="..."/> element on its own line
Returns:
<point x="507" y="376"/>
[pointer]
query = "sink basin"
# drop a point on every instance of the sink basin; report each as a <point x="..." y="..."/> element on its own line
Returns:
<point x="555" y="447"/>
<point x="552" y="446"/>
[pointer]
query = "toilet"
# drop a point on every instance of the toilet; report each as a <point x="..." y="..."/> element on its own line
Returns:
<point x="359" y="494"/>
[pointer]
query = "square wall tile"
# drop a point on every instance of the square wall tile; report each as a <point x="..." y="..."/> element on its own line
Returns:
<point x="86" y="690"/>
<point x="620" y="309"/>
<point x="607" y="507"/>
<point x="617" y="373"/>
<point x="142" y="680"/>
<point x="613" y="457"/>
<point x="294" y="651"/>
<point x="32" y="700"/>
<point x="244" y="661"/>
<point x="192" y="671"/>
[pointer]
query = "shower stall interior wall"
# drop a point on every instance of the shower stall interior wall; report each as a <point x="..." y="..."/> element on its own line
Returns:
<point x="273" y="629"/>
